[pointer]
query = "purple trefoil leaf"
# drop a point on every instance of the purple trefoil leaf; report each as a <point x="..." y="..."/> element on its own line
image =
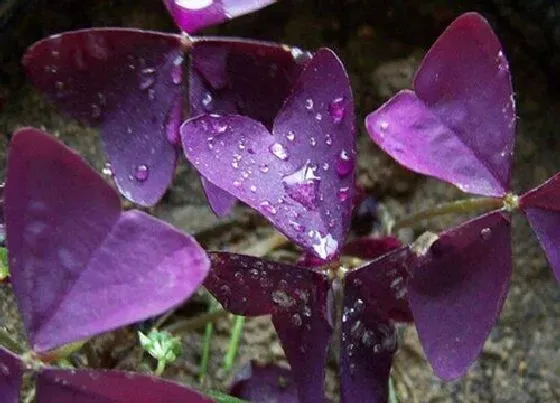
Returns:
<point x="374" y="298"/>
<point x="264" y="383"/>
<point x="11" y="372"/>
<point x="457" y="288"/>
<point x="127" y="83"/>
<point x="459" y="122"/>
<point x="193" y="15"/>
<point x="79" y="266"/>
<point x="102" y="386"/>
<point x="542" y="208"/>
<point x="300" y="176"/>
<point x="299" y="301"/>
<point x="235" y="76"/>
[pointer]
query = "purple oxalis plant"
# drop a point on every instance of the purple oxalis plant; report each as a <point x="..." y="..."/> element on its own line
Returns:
<point x="458" y="124"/>
<point x="129" y="83"/>
<point x="78" y="266"/>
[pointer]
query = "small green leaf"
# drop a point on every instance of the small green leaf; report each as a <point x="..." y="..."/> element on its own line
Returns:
<point x="4" y="272"/>
<point x="220" y="397"/>
<point x="161" y="345"/>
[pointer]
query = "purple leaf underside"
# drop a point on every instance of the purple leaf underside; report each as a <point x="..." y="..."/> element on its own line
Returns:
<point x="301" y="176"/>
<point x="542" y="208"/>
<point x="126" y="82"/>
<point x="74" y="256"/>
<point x="299" y="301"/>
<point x="264" y="383"/>
<point x="459" y="124"/>
<point x="11" y="371"/>
<point x="233" y="76"/>
<point x="102" y="386"/>
<point x="374" y="296"/>
<point x="193" y="16"/>
<point x="458" y="290"/>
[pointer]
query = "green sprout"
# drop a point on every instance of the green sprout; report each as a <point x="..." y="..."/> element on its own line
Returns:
<point x="161" y="345"/>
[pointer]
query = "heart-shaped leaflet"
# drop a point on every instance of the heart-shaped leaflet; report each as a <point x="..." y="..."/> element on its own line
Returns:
<point x="299" y="301"/>
<point x="101" y="386"/>
<point x="300" y="177"/>
<point x="194" y="15"/>
<point x="542" y="208"/>
<point x="236" y="76"/>
<point x="79" y="266"/>
<point x="11" y="372"/>
<point x="126" y="82"/>
<point x="459" y="122"/>
<point x="457" y="288"/>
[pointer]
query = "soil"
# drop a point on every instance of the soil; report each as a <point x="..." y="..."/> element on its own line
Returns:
<point x="381" y="43"/>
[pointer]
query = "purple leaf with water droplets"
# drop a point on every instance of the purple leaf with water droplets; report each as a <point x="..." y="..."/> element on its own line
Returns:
<point x="128" y="84"/>
<point x="11" y="372"/>
<point x="457" y="291"/>
<point x="299" y="301"/>
<point x="459" y="123"/>
<point x="102" y="386"/>
<point x="78" y="265"/>
<point x="542" y="208"/>
<point x="301" y="176"/>
<point x="374" y="297"/>
<point x="233" y="76"/>
<point x="193" y="15"/>
<point x="264" y="383"/>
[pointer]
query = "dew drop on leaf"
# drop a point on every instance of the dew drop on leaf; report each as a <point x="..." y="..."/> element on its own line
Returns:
<point x="141" y="173"/>
<point x="336" y="110"/>
<point x="308" y="104"/>
<point x="279" y="151"/>
<point x="344" y="164"/>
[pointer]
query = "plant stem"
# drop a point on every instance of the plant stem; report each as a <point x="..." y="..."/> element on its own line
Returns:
<point x="263" y="247"/>
<point x="197" y="322"/>
<point x="457" y="207"/>
<point x="239" y="322"/>
<point x="213" y="308"/>
<point x="160" y="368"/>
<point x="7" y="341"/>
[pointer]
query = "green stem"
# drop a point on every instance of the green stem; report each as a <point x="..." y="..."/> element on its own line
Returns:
<point x="239" y="322"/>
<point x="392" y="392"/>
<point x="160" y="368"/>
<point x="7" y="341"/>
<point x="206" y="341"/>
<point x="457" y="207"/>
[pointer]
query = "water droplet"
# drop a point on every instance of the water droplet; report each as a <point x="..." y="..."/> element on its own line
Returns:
<point x="217" y="126"/>
<point x="108" y="169"/>
<point x="357" y="282"/>
<point x="282" y="299"/>
<point x="146" y="82"/>
<point x="207" y="102"/>
<point x="308" y="104"/>
<point x="95" y="111"/>
<point x="326" y="166"/>
<point x="344" y="164"/>
<point x="303" y="186"/>
<point x="141" y="173"/>
<point x="296" y="319"/>
<point x="486" y="234"/>
<point x="328" y="139"/>
<point x="253" y="188"/>
<point x="279" y="151"/>
<point x="307" y="311"/>
<point x="312" y="141"/>
<point x="325" y="246"/>
<point x="336" y="110"/>
<point x="291" y="135"/>
<point x="343" y="193"/>
<point x="177" y="70"/>
<point x="263" y="168"/>
<point x="318" y="117"/>
<point x="242" y="143"/>
<point x="296" y="226"/>
<point x="383" y="124"/>
<point x="268" y="207"/>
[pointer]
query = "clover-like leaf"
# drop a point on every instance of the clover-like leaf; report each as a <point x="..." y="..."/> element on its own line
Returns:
<point x="298" y="300"/>
<point x="375" y="296"/>
<point x="78" y="265"/>
<point x="11" y="372"/>
<point x="459" y="122"/>
<point x="300" y="177"/>
<point x="457" y="289"/>
<point x="127" y="83"/>
<point x="235" y="76"/>
<point x="264" y="383"/>
<point x="542" y="208"/>
<point x="193" y="15"/>
<point x="102" y="386"/>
